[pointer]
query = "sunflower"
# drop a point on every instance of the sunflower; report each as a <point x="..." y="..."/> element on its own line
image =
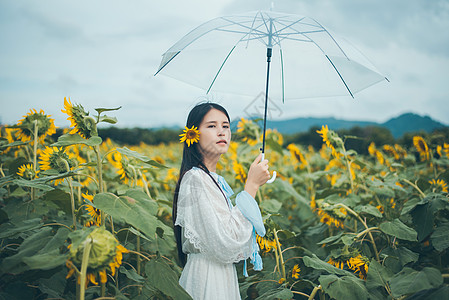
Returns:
<point x="446" y="149"/>
<point x="27" y="171"/>
<point x="422" y="148"/>
<point x="94" y="212"/>
<point x="45" y="126"/>
<point x="57" y="159"/>
<point x="295" y="271"/>
<point x="239" y="171"/>
<point x="358" y="264"/>
<point x="355" y="262"/>
<point x="327" y="136"/>
<point x="296" y="154"/>
<point x="265" y="244"/>
<point x="392" y="151"/>
<point x="439" y="184"/>
<point x="123" y="167"/>
<point x="106" y="253"/>
<point x="78" y="120"/>
<point x="190" y="135"/>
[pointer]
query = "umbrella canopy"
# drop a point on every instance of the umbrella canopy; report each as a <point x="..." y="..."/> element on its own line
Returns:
<point x="227" y="54"/>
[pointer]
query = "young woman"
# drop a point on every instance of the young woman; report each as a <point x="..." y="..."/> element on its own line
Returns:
<point x="211" y="233"/>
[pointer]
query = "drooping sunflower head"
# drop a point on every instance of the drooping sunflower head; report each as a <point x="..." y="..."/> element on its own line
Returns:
<point x="57" y="159"/>
<point x="422" y="148"/>
<point x="79" y="120"/>
<point x="26" y="126"/>
<point x="439" y="185"/>
<point x="105" y="254"/>
<point x="329" y="138"/>
<point x="121" y="163"/>
<point x="265" y="244"/>
<point x="27" y="171"/>
<point x="297" y="154"/>
<point x="190" y="135"/>
<point x="94" y="212"/>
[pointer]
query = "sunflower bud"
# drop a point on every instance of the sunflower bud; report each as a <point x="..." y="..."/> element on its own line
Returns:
<point x="103" y="250"/>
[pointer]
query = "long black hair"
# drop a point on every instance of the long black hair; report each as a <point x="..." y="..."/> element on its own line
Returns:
<point x="191" y="157"/>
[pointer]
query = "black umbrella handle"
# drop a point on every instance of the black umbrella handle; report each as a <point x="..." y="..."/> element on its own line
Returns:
<point x="269" y="53"/>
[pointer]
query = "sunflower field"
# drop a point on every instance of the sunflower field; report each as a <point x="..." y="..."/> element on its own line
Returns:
<point x="86" y="218"/>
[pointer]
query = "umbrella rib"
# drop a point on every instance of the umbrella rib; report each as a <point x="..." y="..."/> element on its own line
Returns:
<point x="282" y="76"/>
<point x="333" y="39"/>
<point x="341" y="77"/>
<point x="160" y="69"/>
<point x="219" y="70"/>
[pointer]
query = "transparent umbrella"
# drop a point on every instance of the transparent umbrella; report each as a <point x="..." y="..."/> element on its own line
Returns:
<point x="303" y="59"/>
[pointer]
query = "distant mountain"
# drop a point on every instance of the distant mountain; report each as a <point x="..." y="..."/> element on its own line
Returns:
<point x="407" y="122"/>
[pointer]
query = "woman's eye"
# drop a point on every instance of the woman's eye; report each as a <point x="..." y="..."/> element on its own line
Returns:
<point x="210" y="126"/>
<point x="226" y="126"/>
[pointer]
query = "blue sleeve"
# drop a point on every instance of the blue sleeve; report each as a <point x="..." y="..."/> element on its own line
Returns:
<point x="249" y="208"/>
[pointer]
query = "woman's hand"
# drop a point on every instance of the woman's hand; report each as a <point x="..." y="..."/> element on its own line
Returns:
<point x="258" y="175"/>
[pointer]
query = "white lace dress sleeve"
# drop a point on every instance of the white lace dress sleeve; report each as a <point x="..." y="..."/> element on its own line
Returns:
<point x="211" y="226"/>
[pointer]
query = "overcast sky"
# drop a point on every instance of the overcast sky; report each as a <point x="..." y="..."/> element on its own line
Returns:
<point x="104" y="54"/>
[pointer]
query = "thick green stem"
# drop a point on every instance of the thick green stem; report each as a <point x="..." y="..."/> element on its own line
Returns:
<point x="281" y="257"/>
<point x="84" y="264"/>
<point x="348" y="165"/>
<point x="415" y="186"/>
<point x="145" y="184"/>
<point x="315" y="290"/>
<point x="100" y="178"/>
<point x="139" y="259"/>
<point x="72" y="198"/>
<point x="36" y="139"/>
<point x="72" y="201"/>
<point x="364" y="224"/>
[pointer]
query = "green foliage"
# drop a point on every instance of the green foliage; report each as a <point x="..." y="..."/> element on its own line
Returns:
<point x="350" y="220"/>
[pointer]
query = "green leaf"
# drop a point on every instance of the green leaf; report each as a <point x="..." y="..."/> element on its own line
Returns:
<point x="399" y="230"/>
<point x="440" y="237"/>
<point x="411" y="204"/>
<point x="279" y="293"/>
<point x="378" y="275"/>
<point x="8" y="230"/>
<point x="134" y="208"/>
<point x="369" y="209"/>
<point x="101" y="109"/>
<point x="162" y="278"/>
<point x="271" y="205"/>
<point x="49" y="256"/>
<point x="137" y="155"/>
<point x="106" y="119"/>
<point x="73" y="139"/>
<point x="410" y="281"/>
<point x="287" y="187"/>
<point x="423" y="218"/>
<point x="317" y="264"/>
<point x="346" y="287"/>
<point x="30" y="246"/>
<point x="331" y="239"/>
<point x="60" y="198"/>
<point x="402" y="254"/>
<point x="32" y="183"/>
<point x="274" y="145"/>
<point x="55" y="285"/>
<point x="46" y="261"/>
<point x="131" y="274"/>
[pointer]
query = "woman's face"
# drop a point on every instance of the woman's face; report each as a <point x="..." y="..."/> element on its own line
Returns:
<point x="215" y="133"/>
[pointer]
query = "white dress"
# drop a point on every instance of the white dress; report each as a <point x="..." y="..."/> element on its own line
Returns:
<point x="215" y="235"/>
